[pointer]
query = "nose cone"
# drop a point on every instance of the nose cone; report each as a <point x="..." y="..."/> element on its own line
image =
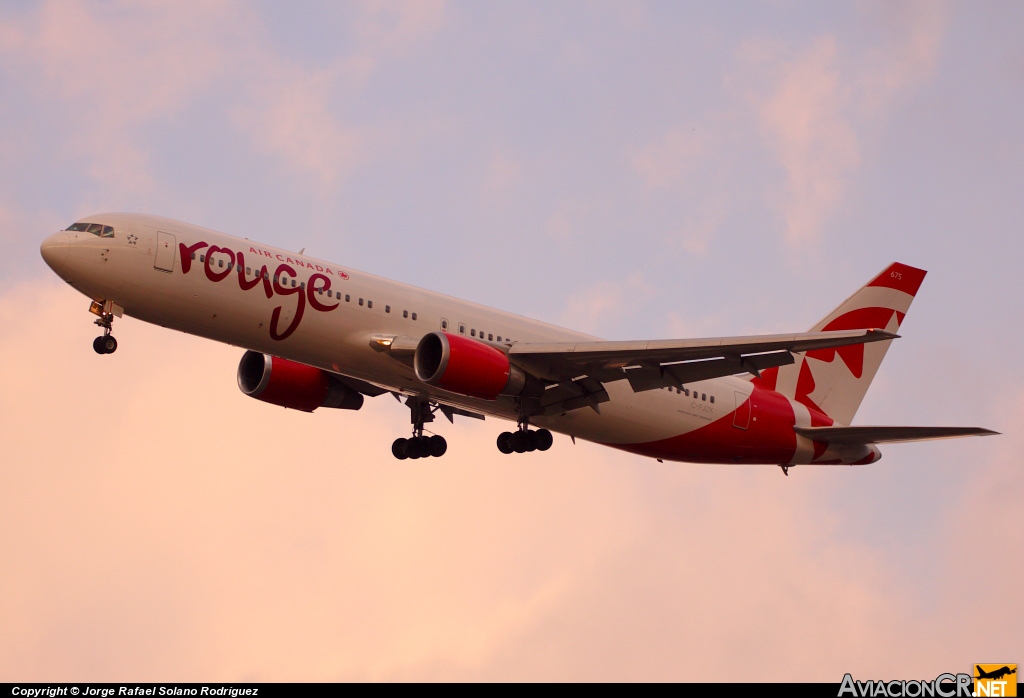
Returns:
<point x="55" y="251"/>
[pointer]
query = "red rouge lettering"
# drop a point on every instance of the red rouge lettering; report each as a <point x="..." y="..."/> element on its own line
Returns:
<point x="278" y="286"/>
<point x="216" y="276"/>
<point x="262" y="275"/>
<point x="186" y="254"/>
<point x="313" y="301"/>
<point x="282" y="290"/>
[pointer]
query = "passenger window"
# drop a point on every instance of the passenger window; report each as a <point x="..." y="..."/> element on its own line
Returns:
<point x="360" y="301"/>
<point x="490" y="337"/>
<point x="220" y="263"/>
<point x="462" y="328"/>
<point x="712" y="399"/>
<point x="348" y="298"/>
<point x="472" y="333"/>
<point x="369" y="304"/>
<point x="704" y="397"/>
<point x="248" y="271"/>
<point x="444" y="324"/>
<point x="387" y="308"/>
<point x="202" y="258"/>
<point x="499" y="337"/>
<point x="302" y="285"/>
<point x="414" y="316"/>
<point x="405" y="313"/>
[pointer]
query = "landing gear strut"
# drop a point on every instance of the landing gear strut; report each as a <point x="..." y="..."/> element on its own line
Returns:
<point x="104" y="344"/>
<point x="524" y="440"/>
<point x="419" y="446"/>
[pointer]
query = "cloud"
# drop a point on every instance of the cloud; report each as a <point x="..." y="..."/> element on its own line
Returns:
<point x="114" y="68"/>
<point x="391" y="27"/>
<point x="161" y="526"/>
<point x="909" y="55"/>
<point x="816" y="104"/>
<point x="601" y="305"/>
<point x="290" y="115"/>
<point x="668" y="162"/>
<point x="805" y="121"/>
<point x="503" y="173"/>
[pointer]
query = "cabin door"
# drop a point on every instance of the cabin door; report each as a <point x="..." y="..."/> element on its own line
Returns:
<point x="164" y="252"/>
<point x="741" y="417"/>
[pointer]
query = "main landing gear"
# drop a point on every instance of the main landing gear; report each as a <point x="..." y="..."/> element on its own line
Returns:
<point x="419" y="446"/>
<point x="524" y="440"/>
<point x="104" y="344"/>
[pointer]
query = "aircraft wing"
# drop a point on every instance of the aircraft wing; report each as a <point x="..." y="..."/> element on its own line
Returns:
<point x="577" y="371"/>
<point x="877" y="435"/>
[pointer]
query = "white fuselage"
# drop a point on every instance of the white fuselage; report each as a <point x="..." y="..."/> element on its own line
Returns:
<point x="188" y="278"/>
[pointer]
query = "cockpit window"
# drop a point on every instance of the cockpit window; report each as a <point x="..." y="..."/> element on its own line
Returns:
<point x="103" y="231"/>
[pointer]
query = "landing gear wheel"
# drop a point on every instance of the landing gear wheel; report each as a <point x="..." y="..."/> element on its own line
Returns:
<point x="438" y="446"/>
<point x="543" y="439"/>
<point x="505" y="442"/>
<point x="413" y="449"/>
<point x="421" y="411"/>
<point x="105" y="344"/>
<point x="520" y="441"/>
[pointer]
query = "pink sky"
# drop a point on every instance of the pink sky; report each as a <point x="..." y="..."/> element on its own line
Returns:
<point x="627" y="169"/>
<point x="164" y="527"/>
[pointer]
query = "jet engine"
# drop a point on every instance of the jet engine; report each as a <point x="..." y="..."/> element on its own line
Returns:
<point x="293" y="385"/>
<point x="465" y="366"/>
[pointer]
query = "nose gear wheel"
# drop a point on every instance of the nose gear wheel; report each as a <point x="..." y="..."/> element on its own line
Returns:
<point x="105" y="343"/>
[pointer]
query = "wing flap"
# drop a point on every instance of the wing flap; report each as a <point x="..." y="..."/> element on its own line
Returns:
<point x="877" y="435"/>
<point x="678" y="374"/>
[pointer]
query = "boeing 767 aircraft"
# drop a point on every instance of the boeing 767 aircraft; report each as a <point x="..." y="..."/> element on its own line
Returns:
<point x="322" y="335"/>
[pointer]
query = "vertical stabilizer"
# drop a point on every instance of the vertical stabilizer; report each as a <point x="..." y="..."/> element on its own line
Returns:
<point x="834" y="381"/>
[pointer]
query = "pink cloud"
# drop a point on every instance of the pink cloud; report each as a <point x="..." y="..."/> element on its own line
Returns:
<point x="159" y="525"/>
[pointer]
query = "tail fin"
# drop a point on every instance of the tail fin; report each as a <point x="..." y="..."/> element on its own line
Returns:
<point x="834" y="381"/>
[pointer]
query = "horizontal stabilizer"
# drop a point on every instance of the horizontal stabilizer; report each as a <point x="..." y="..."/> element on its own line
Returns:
<point x="877" y="435"/>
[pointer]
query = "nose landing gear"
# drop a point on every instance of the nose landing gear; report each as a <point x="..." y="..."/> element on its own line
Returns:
<point x="107" y="310"/>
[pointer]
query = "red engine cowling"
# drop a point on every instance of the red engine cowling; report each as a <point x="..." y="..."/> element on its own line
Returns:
<point x="465" y="366"/>
<point x="293" y="385"/>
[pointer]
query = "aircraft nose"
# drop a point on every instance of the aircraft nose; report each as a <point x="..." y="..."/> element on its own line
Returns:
<point x="55" y="250"/>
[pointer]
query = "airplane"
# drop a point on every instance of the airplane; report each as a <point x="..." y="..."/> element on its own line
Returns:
<point x="995" y="674"/>
<point x="319" y="334"/>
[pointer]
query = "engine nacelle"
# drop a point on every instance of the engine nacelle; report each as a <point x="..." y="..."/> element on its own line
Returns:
<point x="293" y="385"/>
<point x="465" y="366"/>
